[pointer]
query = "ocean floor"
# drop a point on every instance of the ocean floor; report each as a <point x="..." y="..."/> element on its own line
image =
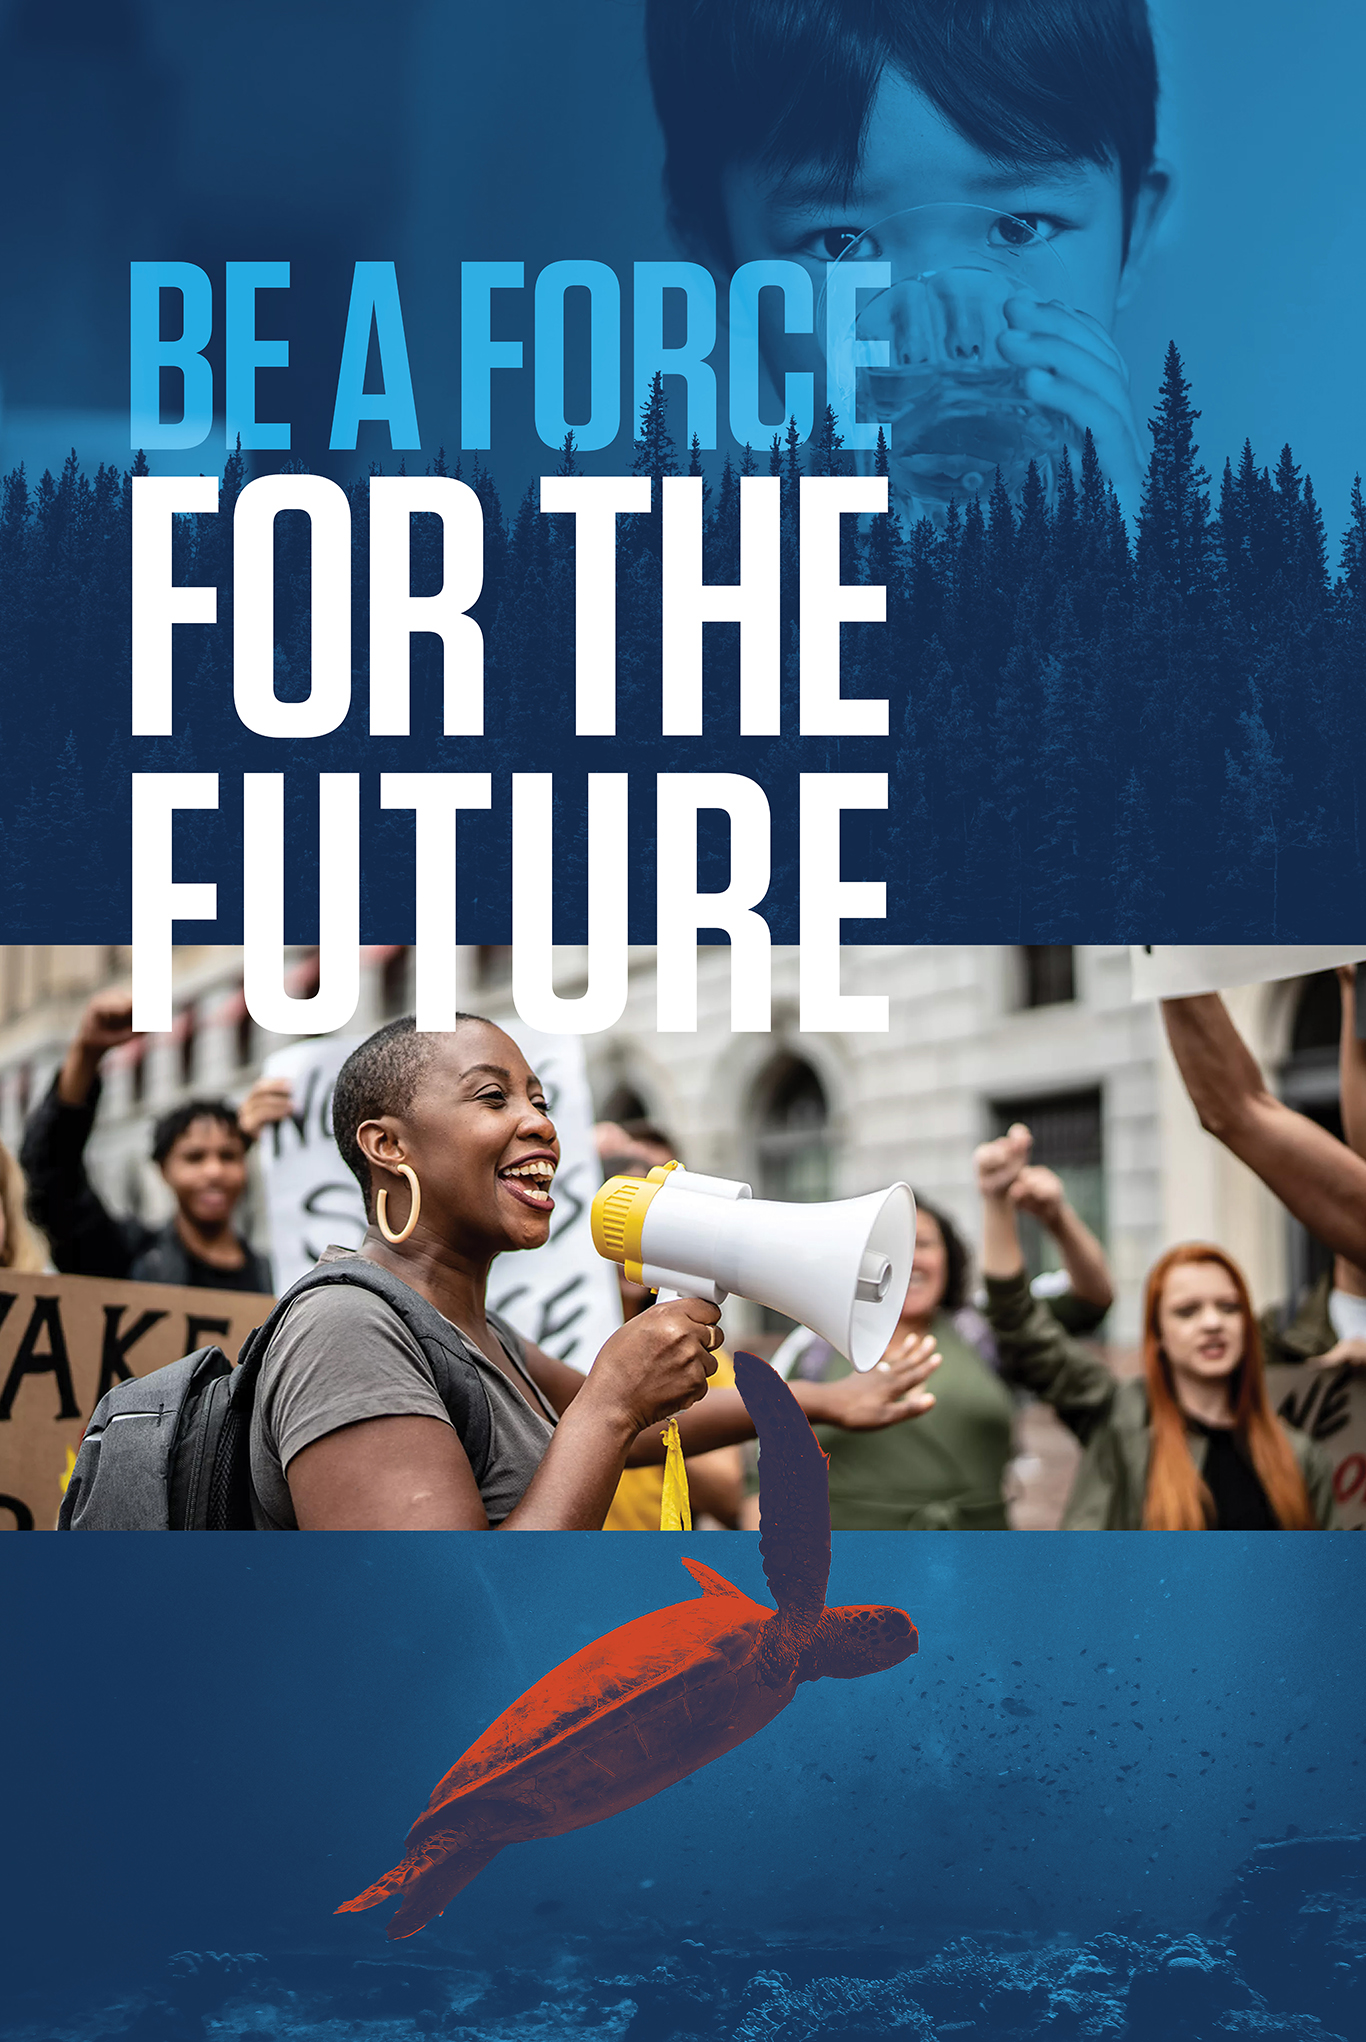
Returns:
<point x="1282" y="1954"/>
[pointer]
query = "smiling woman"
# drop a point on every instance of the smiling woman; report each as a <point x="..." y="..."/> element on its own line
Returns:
<point x="450" y="1140"/>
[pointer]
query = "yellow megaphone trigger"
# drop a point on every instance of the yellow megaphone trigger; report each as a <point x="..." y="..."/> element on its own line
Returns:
<point x="618" y="1216"/>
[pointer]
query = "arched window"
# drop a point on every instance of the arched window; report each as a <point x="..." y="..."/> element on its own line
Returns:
<point x="791" y="1132"/>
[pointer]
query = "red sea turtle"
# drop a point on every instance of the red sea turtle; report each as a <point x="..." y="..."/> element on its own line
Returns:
<point x="651" y="1702"/>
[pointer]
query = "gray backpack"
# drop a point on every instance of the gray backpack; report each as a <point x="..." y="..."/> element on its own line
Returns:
<point x="170" y="1451"/>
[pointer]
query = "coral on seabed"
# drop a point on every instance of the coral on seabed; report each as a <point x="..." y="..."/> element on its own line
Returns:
<point x="1283" y="1959"/>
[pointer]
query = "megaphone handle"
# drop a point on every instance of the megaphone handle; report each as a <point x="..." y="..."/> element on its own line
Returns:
<point x="675" y="1505"/>
<point x="669" y="1297"/>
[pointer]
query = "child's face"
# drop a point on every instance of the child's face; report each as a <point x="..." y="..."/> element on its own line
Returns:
<point x="1061" y="343"/>
<point x="913" y="157"/>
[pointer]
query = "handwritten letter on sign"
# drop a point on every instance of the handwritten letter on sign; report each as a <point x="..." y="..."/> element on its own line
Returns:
<point x="1330" y="1405"/>
<point x="64" y="1341"/>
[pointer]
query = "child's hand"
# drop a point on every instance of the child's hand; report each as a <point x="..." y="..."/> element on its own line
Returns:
<point x="1075" y="369"/>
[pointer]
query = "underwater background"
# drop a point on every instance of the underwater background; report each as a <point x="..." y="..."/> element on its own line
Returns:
<point x="1119" y="1791"/>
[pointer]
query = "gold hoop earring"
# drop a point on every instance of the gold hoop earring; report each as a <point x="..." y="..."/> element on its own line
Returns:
<point x="382" y="1204"/>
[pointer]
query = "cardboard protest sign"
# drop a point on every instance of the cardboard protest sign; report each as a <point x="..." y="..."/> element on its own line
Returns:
<point x="564" y="1296"/>
<point x="1330" y="1405"/>
<point x="65" y="1340"/>
<point x="1169" y="971"/>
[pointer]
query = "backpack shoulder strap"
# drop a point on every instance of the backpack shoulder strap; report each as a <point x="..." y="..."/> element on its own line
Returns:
<point x="457" y="1377"/>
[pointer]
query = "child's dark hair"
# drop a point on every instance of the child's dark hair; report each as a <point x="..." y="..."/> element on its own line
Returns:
<point x="174" y="1124"/>
<point x="790" y="83"/>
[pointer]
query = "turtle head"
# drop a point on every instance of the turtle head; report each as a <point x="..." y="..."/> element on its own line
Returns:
<point x="857" y="1640"/>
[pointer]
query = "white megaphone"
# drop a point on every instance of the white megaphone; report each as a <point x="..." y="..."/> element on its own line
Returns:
<point x="841" y="1269"/>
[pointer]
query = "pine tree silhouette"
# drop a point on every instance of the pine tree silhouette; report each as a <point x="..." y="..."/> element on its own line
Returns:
<point x="1091" y="739"/>
<point x="1353" y="543"/>
<point x="655" y="455"/>
<point x="1173" y="523"/>
<point x="826" y="447"/>
<point x="1254" y="827"/>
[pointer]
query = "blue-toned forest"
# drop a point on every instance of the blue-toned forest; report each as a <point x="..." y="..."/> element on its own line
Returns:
<point x="1096" y="735"/>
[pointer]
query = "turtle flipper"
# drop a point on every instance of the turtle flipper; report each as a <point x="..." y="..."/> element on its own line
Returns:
<point x="428" y="1898"/>
<point x="711" y="1582"/>
<point x="428" y="1877"/>
<point x="794" y="1492"/>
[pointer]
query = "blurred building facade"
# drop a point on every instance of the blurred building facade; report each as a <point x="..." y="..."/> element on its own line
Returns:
<point x="980" y="1036"/>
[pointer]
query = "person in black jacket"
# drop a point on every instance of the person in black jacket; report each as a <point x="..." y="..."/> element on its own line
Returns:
<point x="200" y="1148"/>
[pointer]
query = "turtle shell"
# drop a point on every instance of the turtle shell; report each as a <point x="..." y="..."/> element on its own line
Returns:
<point x="624" y="1717"/>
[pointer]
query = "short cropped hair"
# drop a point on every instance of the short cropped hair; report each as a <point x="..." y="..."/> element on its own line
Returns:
<point x="379" y="1077"/>
<point x="786" y="84"/>
<point x="174" y="1124"/>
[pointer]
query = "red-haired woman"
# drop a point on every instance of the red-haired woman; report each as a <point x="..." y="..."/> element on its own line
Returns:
<point x="1192" y="1445"/>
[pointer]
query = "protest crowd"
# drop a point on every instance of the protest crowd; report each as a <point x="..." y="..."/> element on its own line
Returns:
<point x="451" y="1141"/>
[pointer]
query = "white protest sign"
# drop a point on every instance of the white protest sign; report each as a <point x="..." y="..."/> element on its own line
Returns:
<point x="312" y="1199"/>
<point x="563" y="1296"/>
<point x="1170" y="971"/>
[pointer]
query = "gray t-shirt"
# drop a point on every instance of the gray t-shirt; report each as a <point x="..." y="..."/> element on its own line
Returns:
<point x="340" y="1356"/>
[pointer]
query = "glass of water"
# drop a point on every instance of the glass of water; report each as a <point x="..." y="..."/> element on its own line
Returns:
<point x="909" y="320"/>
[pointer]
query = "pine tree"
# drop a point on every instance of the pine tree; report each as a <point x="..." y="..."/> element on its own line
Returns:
<point x="1032" y="537"/>
<point x="1253" y="823"/>
<point x="722" y="535"/>
<point x="792" y="462"/>
<point x="886" y="546"/>
<point x="569" y="455"/>
<point x="695" y="469"/>
<point x="1135" y="894"/>
<point x="1065" y="517"/>
<point x="1173" y="523"/>
<point x="655" y="453"/>
<point x="1092" y="494"/>
<point x="826" y="455"/>
<point x="1000" y="535"/>
<point x="1353" y="543"/>
<point x="1313" y="549"/>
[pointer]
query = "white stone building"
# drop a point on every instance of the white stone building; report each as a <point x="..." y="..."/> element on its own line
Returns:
<point x="979" y="1036"/>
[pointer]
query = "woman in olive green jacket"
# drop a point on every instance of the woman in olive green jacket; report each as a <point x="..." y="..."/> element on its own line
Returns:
<point x="945" y="1471"/>
<point x="1191" y="1445"/>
